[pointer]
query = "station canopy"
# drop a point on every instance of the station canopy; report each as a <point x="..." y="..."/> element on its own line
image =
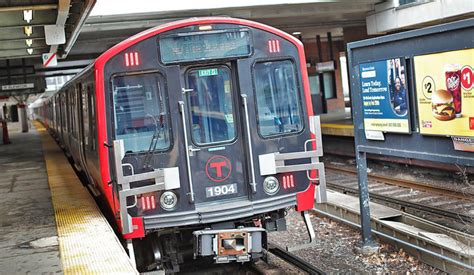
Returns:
<point x="30" y="28"/>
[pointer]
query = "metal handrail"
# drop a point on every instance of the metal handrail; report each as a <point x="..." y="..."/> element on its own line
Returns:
<point x="249" y="141"/>
<point x="186" y="146"/>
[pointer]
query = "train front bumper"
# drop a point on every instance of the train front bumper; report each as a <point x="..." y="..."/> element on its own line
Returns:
<point x="228" y="245"/>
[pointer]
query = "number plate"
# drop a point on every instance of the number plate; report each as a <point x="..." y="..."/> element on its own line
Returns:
<point x="221" y="190"/>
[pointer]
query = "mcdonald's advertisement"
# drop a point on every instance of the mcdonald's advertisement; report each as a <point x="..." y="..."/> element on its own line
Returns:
<point x="384" y="96"/>
<point x="445" y="93"/>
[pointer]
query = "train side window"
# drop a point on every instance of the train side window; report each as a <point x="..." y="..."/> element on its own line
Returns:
<point x="92" y="118"/>
<point x="140" y="113"/>
<point x="278" y="98"/>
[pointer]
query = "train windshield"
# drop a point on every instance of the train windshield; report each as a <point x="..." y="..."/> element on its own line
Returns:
<point x="211" y="105"/>
<point x="278" y="103"/>
<point x="140" y="112"/>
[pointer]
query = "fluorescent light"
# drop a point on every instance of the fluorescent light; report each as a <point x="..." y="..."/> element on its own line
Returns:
<point x="296" y="33"/>
<point x="28" y="30"/>
<point x="29" y="42"/>
<point x="28" y="15"/>
<point x="205" y="27"/>
<point x="29" y="50"/>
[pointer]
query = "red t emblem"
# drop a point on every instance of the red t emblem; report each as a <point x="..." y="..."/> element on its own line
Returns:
<point x="218" y="168"/>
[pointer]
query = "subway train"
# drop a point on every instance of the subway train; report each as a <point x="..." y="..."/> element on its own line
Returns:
<point x="198" y="135"/>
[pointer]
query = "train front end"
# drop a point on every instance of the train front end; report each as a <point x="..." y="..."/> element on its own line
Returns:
<point x="209" y="133"/>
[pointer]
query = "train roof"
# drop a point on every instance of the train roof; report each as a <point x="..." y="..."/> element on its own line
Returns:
<point x="103" y="58"/>
<point x="100" y="62"/>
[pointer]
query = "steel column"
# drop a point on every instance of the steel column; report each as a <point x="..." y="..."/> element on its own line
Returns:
<point x="361" y="160"/>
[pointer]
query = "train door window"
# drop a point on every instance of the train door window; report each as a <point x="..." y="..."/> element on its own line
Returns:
<point x="140" y="112"/>
<point x="92" y="118"/>
<point x="277" y="96"/>
<point x="74" y="112"/>
<point x="212" y="112"/>
<point x="68" y="111"/>
<point x="71" y="108"/>
<point x="61" y="110"/>
<point x="85" y="115"/>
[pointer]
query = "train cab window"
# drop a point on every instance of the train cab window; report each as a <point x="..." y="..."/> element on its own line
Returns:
<point x="212" y="118"/>
<point x="278" y="100"/>
<point x="140" y="112"/>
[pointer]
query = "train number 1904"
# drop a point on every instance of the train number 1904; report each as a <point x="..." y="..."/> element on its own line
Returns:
<point x="221" y="190"/>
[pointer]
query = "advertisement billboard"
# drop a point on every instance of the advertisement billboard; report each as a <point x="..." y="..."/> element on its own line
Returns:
<point x="445" y="93"/>
<point x="385" y="96"/>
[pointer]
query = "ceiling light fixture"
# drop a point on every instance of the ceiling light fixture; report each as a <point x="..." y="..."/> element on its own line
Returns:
<point x="296" y="33"/>
<point x="28" y="15"/>
<point x="28" y="30"/>
<point x="29" y="42"/>
<point x="29" y="50"/>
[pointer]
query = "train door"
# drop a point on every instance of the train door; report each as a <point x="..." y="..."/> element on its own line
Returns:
<point x="212" y="122"/>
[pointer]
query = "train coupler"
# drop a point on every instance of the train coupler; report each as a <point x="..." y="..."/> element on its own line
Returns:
<point x="228" y="245"/>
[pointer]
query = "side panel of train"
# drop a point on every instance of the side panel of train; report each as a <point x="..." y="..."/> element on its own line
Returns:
<point x="70" y="116"/>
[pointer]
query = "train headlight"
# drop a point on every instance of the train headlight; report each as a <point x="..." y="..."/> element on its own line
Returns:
<point x="271" y="185"/>
<point x="168" y="200"/>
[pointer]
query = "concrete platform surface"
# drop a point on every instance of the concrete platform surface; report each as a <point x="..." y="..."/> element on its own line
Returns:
<point x="28" y="236"/>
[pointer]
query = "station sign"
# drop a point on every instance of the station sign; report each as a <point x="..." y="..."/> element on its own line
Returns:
<point x="385" y="96"/>
<point x="445" y="93"/>
<point x="49" y="59"/>
<point x="21" y="86"/>
<point x="327" y="66"/>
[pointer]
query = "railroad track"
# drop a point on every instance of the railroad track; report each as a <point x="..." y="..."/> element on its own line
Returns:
<point x="260" y="267"/>
<point x="407" y="195"/>
<point x="293" y="259"/>
<point x="408" y="183"/>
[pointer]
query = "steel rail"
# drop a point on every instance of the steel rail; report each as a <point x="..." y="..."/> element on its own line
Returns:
<point x="407" y="183"/>
<point x="406" y="204"/>
<point x="383" y="235"/>
<point x="293" y="259"/>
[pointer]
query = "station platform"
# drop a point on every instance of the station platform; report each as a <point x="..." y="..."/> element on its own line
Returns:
<point x="337" y="124"/>
<point x="49" y="223"/>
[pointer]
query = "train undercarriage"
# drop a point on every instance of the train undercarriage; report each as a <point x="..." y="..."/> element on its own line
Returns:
<point x="241" y="241"/>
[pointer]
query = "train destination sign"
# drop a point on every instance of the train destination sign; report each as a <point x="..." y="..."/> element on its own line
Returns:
<point x="384" y="96"/>
<point x="445" y="93"/>
<point x="204" y="46"/>
<point x="18" y="86"/>
<point x="208" y="72"/>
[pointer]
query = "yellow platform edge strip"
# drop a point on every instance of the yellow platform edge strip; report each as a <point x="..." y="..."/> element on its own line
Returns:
<point x="337" y="126"/>
<point x="337" y="129"/>
<point x="87" y="243"/>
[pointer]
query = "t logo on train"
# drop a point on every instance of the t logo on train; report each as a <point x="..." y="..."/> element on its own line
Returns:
<point x="188" y="130"/>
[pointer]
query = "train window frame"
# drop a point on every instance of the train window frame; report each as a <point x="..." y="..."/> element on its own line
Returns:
<point x="300" y="95"/>
<point x="237" y="120"/>
<point x="166" y="102"/>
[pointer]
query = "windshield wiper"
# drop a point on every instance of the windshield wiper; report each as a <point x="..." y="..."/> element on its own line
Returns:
<point x="153" y="144"/>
